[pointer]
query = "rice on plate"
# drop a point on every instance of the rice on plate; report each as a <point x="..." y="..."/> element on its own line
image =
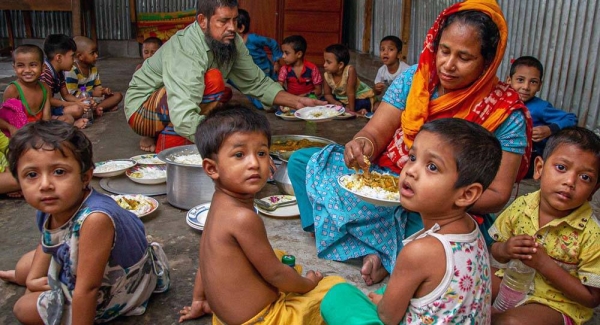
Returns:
<point x="376" y="185"/>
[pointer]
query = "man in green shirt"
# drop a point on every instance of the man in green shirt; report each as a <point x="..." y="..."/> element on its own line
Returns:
<point x="174" y="89"/>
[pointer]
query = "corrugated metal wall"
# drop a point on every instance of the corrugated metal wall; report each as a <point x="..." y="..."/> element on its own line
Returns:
<point x="560" y="33"/>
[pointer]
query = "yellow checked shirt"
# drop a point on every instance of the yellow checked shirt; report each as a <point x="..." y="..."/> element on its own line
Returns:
<point x="573" y="242"/>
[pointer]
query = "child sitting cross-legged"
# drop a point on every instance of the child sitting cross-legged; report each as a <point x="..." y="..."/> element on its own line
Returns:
<point x="342" y="86"/>
<point x="240" y="279"/>
<point x="390" y="53"/>
<point x="299" y="76"/>
<point x="94" y="262"/>
<point x="442" y="275"/>
<point x="555" y="232"/>
<point x="84" y="73"/>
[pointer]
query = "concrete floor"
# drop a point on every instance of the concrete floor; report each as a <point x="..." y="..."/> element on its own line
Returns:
<point x="112" y="138"/>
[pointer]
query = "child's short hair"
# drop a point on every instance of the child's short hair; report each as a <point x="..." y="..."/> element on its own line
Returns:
<point x="243" y="20"/>
<point x="28" y="48"/>
<point x="51" y="135"/>
<point x="393" y="39"/>
<point x="225" y="121"/>
<point x="477" y="152"/>
<point x="297" y="42"/>
<point x="528" y="61"/>
<point x="153" y="40"/>
<point x="340" y="51"/>
<point x="58" y="44"/>
<point x="580" y="137"/>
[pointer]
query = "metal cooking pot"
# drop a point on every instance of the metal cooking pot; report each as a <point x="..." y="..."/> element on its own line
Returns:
<point x="281" y="177"/>
<point x="187" y="185"/>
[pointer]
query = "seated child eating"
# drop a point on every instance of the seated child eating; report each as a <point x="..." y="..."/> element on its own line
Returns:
<point x="555" y="231"/>
<point x="390" y="52"/>
<point x="525" y="77"/>
<point x="299" y="76"/>
<point x="91" y="248"/>
<point x="84" y="73"/>
<point x="240" y="279"/>
<point x="149" y="47"/>
<point x="59" y="50"/>
<point x="442" y="275"/>
<point x="342" y="86"/>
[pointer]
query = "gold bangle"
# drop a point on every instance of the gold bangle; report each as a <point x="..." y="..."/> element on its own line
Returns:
<point x="372" y="145"/>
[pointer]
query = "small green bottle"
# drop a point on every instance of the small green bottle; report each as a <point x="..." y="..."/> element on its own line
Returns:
<point x="289" y="260"/>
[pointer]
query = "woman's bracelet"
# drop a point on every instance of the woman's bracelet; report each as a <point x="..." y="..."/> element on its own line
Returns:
<point x="372" y="145"/>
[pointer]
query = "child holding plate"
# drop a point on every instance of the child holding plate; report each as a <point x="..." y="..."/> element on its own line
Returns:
<point x="443" y="271"/>
<point x="234" y="142"/>
<point x="90" y="247"/>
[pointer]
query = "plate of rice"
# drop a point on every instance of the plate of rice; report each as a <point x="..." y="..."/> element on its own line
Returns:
<point x="112" y="168"/>
<point x="148" y="174"/>
<point x="148" y="159"/>
<point x="319" y="113"/>
<point x="140" y="205"/>
<point x="376" y="188"/>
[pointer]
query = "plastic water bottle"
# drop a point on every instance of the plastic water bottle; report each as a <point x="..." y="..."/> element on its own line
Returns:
<point x="514" y="286"/>
<point x="87" y="98"/>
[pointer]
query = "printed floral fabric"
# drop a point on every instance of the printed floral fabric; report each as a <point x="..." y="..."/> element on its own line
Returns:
<point x="130" y="275"/>
<point x="573" y="242"/>
<point x="465" y="294"/>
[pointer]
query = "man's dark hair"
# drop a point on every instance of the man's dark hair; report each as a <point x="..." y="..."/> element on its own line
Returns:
<point x="208" y="7"/>
<point x="340" y="51"/>
<point x="577" y="136"/>
<point x="489" y="35"/>
<point x="243" y="20"/>
<point x="528" y="61"/>
<point x="477" y="152"/>
<point x="297" y="42"/>
<point x="225" y="121"/>
<point x="58" y="44"/>
<point x="393" y="39"/>
<point x="28" y="48"/>
<point x="155" y="40"/>
<point x="50" y="135"/>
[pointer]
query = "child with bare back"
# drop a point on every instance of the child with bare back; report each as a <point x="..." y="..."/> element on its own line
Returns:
<point x="442" y="275"/>
<point x="234" y="142"/>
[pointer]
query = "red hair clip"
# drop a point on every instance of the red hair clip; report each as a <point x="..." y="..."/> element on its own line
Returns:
<point x="512" y="61"/>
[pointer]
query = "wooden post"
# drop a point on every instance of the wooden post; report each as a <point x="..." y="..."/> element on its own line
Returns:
<point x="405" y="32"/>
<point x="366" y="37"/>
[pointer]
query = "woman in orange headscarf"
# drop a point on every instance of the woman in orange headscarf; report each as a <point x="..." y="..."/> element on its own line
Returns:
<point x="455" y="77"/>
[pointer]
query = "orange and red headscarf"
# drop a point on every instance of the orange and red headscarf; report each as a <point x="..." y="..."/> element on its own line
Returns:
<point x="487" y="101"/>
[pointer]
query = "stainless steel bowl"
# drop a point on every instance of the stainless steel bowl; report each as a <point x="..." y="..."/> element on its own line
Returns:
<point x="281" y="177"/>
<point x="187" y="185"/>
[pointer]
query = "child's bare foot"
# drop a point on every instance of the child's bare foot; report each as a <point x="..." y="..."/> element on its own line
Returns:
<point x="372" y="271"/>
<point x="81" y="123"/>
<point x="8" y="276"/>
<point x="15" y="195"/>
<point x="147" y="144"/>
<point x="98" y="111"/>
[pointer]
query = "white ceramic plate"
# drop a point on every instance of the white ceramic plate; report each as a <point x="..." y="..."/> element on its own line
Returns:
<point x="110" y="168"/>
<point x="283" y="115"/>
<point x="148" y="159"/>
<point x="319" y="113"/>
<point x="372" y="200"/>
<point x="345" y="116"/>
<point x="196" y="216"/>
<point x="290" y="211"/>
<point x="154" y="174"/>
<point x="140" y="205"/>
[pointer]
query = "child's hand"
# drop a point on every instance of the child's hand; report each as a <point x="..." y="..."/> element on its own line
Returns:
<point x="12" y="130"/>
<point x="520" y="247"/>
<point x="198" y="308"/>
<point x="375" y="298"/>
<point x="38" y="285"/>
<point x="315" y="277"/>
<point x="540" y="133"/>
<point x="540" y="258"/>
<point x="379" y="87"/>
<point x="81" y="102"/>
